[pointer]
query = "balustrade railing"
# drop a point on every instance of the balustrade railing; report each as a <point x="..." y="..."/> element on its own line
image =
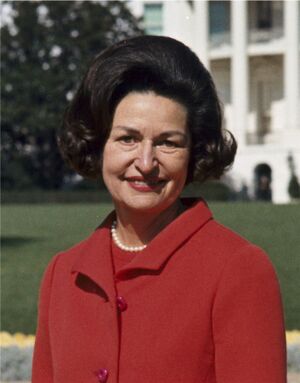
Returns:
<point x="219" y="39"/>
<point x="264" y="35"/>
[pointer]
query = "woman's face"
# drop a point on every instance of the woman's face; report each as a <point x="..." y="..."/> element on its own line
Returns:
<point x="146" y="156"/>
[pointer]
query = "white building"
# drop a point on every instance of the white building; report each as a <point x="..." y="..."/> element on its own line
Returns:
<point x="252" y="51"/>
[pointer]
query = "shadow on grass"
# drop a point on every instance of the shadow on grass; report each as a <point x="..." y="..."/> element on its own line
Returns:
<point x="15" y="241"/>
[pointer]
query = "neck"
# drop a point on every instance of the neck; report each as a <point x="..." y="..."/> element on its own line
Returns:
<point x="136" y="228"/>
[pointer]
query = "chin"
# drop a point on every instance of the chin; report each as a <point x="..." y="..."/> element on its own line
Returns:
<point x="147" y="205"/>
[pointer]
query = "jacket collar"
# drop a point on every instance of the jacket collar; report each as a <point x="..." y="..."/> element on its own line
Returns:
<point x="94" y="259"/>
<point x="171" y="238"/>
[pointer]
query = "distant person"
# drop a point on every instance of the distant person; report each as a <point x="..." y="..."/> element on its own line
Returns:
<point x="263" y="191"/>
<point x="160" y="291"/>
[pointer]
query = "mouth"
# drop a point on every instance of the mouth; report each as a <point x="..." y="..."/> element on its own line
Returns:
<point x="141" y="184"/>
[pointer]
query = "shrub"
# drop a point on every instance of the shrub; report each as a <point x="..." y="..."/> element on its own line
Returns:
<point x="294" y="187"/>
<point x="210" y="191"/>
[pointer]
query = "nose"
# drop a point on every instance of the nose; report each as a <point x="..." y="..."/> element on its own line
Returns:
<point x="146" y="160"/>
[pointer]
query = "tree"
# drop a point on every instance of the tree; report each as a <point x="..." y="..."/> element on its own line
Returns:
<point x="293" y="186"/>
<point x="44" y="52"/>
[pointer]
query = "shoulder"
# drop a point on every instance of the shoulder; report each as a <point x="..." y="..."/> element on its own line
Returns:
<point x="242" y="262"/>
<point x="220" y="239"/>
<point x="228" y="249"/>
<point x="198" y="220"/>
<point x="63" y="261"/>
<point x="67" y="257"/>
<point x="215" y="243"/>
<point x="224" y="236"/>
<point x="241" y="248"/>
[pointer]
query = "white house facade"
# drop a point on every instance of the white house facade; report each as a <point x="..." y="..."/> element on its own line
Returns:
<point x="252" y="50"/>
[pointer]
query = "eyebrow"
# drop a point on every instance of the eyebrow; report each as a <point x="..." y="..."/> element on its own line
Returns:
<point x="167" y="133"/>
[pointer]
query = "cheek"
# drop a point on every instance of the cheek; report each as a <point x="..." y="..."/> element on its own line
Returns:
<point x="114" y="161"/>
<point x="178" y="166"/>
<point x="108" y="166"/>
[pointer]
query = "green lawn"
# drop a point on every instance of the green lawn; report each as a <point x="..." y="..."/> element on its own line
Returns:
<point x="32" y="234"/>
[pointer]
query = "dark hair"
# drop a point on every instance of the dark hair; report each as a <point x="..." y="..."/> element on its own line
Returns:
<point x="146" y="63"/>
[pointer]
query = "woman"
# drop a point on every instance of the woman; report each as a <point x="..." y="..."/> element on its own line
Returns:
<point x="160" y="292"/>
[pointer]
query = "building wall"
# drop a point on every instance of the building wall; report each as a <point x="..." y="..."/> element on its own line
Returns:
<point x="268" y="84"/>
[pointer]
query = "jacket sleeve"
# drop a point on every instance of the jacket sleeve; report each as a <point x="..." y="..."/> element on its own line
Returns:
<point x="42" y="361"/>
<point x="248" y="322"/>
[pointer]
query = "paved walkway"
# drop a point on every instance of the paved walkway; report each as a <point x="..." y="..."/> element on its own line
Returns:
<point x="294" y="377"/>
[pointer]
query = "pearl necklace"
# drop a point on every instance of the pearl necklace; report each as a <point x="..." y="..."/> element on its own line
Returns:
<point x="120" y="244"/>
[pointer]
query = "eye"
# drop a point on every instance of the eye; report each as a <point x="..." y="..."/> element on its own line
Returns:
<point x="168" y="144"/>
<point x="127" y="139"/>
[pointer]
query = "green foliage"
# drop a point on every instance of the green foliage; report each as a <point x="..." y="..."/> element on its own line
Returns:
<point x="89" y="191"/>
<point x="32" y="234"/>
<point x="210" y="191"/>
<point x="294" y="187"/>
<point x="85" y="194"/>
<point x="43" y="56"/>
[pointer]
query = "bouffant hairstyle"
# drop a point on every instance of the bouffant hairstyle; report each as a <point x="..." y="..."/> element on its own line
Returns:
<point x="142" y="64"/>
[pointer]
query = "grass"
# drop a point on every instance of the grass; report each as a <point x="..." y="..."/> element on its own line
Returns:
<point x="32" y="234"/>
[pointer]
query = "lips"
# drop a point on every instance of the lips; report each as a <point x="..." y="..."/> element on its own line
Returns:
<point x="141" y="180"/>
<point x="145" y="185"/>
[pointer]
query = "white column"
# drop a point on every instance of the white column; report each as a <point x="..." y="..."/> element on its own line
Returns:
<point x="239" y="69"/>
<point x="201" y="31"/>
<point x="291" y="64"/>
<point x="177" y="15"/>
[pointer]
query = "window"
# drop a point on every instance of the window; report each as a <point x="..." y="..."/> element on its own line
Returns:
<point x="219" y="17"/>
<point x="219" y="23"/>
<point x="153" y="18"/>
<point x="265" y="20"/>
<point x="264" y="14"/>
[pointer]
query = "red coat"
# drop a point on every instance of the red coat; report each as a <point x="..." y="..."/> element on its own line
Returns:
<point x="200" y="305"/>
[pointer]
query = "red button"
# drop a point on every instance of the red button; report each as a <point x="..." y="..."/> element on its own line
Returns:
<point x="102" y="375"/>
<point x="121" y="303"/>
